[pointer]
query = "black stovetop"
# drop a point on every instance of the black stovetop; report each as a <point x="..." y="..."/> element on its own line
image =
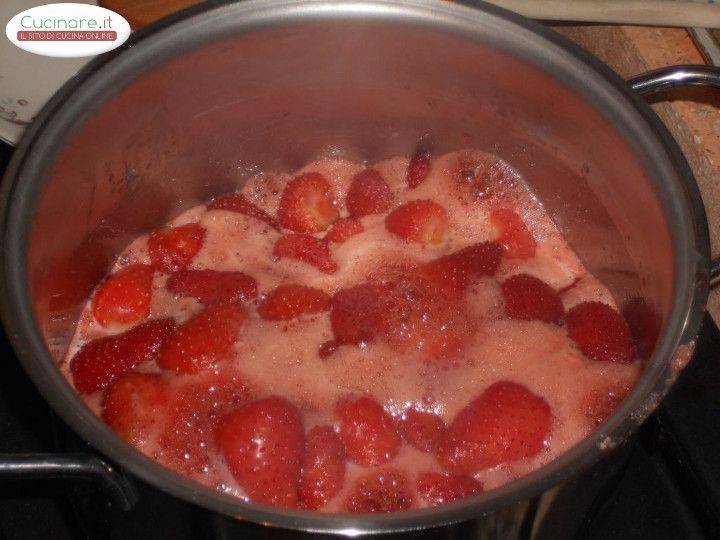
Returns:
<point x="663" y="483"/>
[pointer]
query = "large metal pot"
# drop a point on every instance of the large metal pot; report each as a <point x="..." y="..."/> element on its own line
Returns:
<point x="189" y="107"/>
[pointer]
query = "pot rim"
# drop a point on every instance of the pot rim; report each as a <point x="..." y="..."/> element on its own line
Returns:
<point x="19" y="190"/>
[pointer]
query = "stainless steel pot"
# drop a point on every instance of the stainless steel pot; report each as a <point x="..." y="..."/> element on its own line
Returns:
<point x="200" y="100"/>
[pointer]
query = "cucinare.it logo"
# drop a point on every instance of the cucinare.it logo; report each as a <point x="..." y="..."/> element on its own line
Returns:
<point x="67" y="30"/>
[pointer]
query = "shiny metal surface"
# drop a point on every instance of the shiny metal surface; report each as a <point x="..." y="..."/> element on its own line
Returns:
<point x="191" y="106"/>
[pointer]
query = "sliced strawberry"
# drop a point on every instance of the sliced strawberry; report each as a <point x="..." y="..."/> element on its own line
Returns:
<point x="437" y="488"/>
<point x="307" y="204"/>
<point x="263" y="443"/>
<point x="173" y="249"/>
<point x="513" y="234"/>
<point x="419" y="167"/>
<point x="528" y="298"/>
<point x="305" y="248"/>
<point x="599" y="404"/>
<point x="422" y="222"/>
<point x="290" y="301"/>
<point x="102" y="360"/>
<point x="203" y="340"/>
<point x="131" y="405"/>
<point x="354" y="314"/>
<point x="343" y="229"/>
<point x="644" y="322"/>
<point x="505" y="423"/>
<point x="368" y="432"/>
<point x="323" y="471"/>
<point x="235" y="202"/>
<point x="422" y="430"/>
<point x="600" y="332"/>
<point x="124" y="297"/>
<point x="381" y="491"/>
<point x="452" y="273"/>
<point x="211" y="286"/>
<point x="368" y="194"/>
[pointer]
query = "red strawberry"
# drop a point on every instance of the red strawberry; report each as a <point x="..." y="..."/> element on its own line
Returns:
<point x="367" y="431"/>
<point x="305" y="248"/>
<point x="307" y="204"/>
<point x="124" y="297"/>
<point x="422" y="430"/>
<point x="323" y="472"/>
<point x="599" y="404"/>
<point x="343" y="229"/>
<point x="452" y="273"/>
<point x="437" y="488"/>
<point x="131" y="405"/>
<point x="381" y="491"/>
<point x="102" y="360"/>
<point x="418" y="168"/>
<point x="644" y="322"/>
<point x="354" y="314"/>
<point x="263" y="443"/>
<point x="238" y="203"/>
<point x="514" y="235"/>
<point x="529" y="299"/>
<point x="173" y="249"/>
<point x="505" y="423"/>
<point x="600" y="332"/>
<point x="210" y="286"/>
<point x="368" y="194"/>
<point x="422" y="222"/>
<point x="290" y="301"/>
<point x="203" y="340"/>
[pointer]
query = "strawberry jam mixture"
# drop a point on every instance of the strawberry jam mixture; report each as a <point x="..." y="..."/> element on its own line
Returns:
<point x="351" y="338"/>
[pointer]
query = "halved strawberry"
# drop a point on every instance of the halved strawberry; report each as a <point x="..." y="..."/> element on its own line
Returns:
<point x="235" y="202"/>
<point x="263" y="444"/>
<point x="513" y="234"/>
<point x="419" y="167"/>
<point x="289" y="301"/>
<point x="211" y="286"/>
<point x="599" y="404"/>
<point x="102" y="360"/>
<point x="173" y="249"/>
<point x="505" y="423"/>
<point x="124" y="297"/>
<point x="600" y="332"/>
<point x="382" y="491"/>
<point x="343" y="229"/>
<point x="422" y="222"/>
<point x="307" y="204"/>
<point x="203" y="340"/>
<point x="528" y="298"/>
<point x="323" y="471"/>
<point x="422" y="430"/>
<point x="437" y="488"/>
<point x="354" y="314"/>
<point x="452" y="273"/>
<point x="368" y="194"/>
<point x="305" y="248"/>
<point x="368" y="432"/>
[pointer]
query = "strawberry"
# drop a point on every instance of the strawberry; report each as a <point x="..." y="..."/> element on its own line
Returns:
<point x="422" y="222"/>
<point x="367" y="431"/>
<point x="354" y="314"/>
<point x="343" y="229"/>
<point x="305" y="248"/>
<point x="452" y="273"/>
<point x="505" y="423"/>
<point x="307" y="204"/>
<point x="124" y="297"/>
<point x="263" y="443"/>
<point x="422" y="430"/>
<point x="131" y="405"/>
<point x="211" y="286"/>
<point x="102" y="360"/>
<point x="419" y="167"/>
<point x="437" y="488"/>
<point x="323" y="471"/>
<point x="644" y="322"/>
<point x="235" y="202"/>
<point x="529" y="299"/>
<point x="173" y="249"/>
<point x="203" y="340"/>
<point x="513" y="234"/>
<point x="382" y="491"/>
<point x="290" y="301"/>
<point x="327" y="349"/>
<point x="599" y="404"/>
<point x="600" y="332"/>
<point x="368" y="194"/>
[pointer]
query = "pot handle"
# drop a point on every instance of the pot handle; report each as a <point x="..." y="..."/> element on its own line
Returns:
<point x="674" y="77"/>
<point x="18" y="467"/>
